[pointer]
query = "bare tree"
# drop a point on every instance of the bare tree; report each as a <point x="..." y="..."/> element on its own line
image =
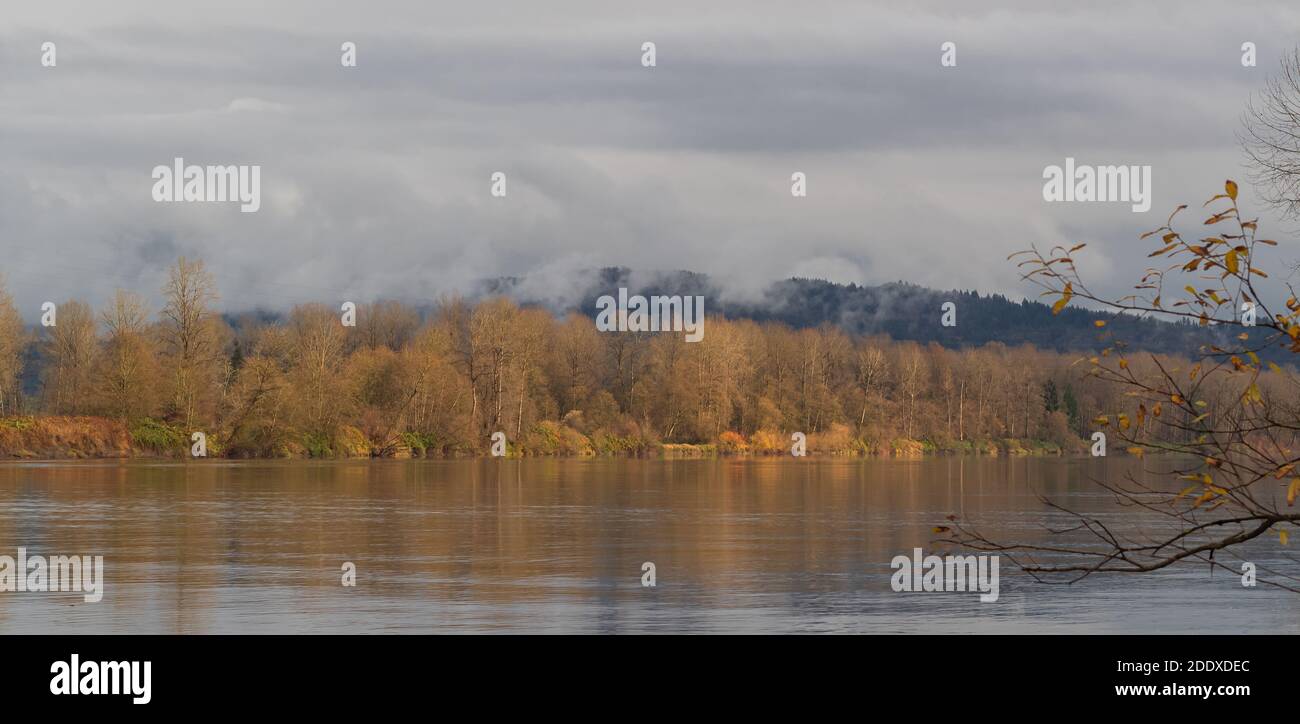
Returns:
<point x="1271" y="138"/>
<point x="387" y="324"/>
<point x="70" y="348"/>
<point x="873" y="369"/>
<point x="317" y="340"/>
<point x="912" y="371"/>
<point x="189" y="336"/>
<point x="13" y="341"/>
<point x="127" y="366"/>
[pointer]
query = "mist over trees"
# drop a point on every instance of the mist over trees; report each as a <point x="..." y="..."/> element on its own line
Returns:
<point x="440" y="381"/>
<point x="898" y="310"/>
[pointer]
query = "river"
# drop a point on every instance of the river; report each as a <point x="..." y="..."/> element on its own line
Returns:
<point x="558" y="546"/>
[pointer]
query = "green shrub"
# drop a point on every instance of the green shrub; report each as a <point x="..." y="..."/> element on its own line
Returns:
<point x="419" y="442"/>
<point x="157" y="435"/>
<point x="317" y="445"/>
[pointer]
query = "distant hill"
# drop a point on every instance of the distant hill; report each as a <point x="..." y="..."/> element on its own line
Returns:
<point x="900" y="310"/>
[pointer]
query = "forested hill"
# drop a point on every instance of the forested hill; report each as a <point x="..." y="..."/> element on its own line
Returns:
<point x="898" y="309"/>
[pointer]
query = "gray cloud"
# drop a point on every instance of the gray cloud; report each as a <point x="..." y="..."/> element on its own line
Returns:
<point x="375" y="179"/>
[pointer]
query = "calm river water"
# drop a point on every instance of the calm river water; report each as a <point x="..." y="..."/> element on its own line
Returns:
<point x="545" y="545"/>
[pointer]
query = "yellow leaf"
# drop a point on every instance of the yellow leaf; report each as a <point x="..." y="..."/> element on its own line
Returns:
<point x="1100" y="323"/>
<point x="1231" y="188"/>
<point x="1231" y="261"/>
<point x="1292" y="490"/>
<point x="1283" y="537"/>
<point x="1064" y="300"/>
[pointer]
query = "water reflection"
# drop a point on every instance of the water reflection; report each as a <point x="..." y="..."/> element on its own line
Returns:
<point x="557" y="545"/>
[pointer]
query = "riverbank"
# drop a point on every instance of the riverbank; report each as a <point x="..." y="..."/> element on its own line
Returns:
<point x="77" y="438"/>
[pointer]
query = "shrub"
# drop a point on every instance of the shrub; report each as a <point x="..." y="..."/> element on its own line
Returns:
<point x="731" y="443"/>
<point x="769" y="442"/>
<point x="419" y="442"/>
<point x="838" y="440"/>
<point x="158" y="436"/>
<point x="317" y="445"/>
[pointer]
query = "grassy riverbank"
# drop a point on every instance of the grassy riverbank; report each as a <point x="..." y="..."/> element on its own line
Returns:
<point x="82" y="437"/>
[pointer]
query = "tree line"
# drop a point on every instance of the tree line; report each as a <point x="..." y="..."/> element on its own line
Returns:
<point x="440" y="382"/>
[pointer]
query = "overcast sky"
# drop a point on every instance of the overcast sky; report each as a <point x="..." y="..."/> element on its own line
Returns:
<point x="375" y="179"/>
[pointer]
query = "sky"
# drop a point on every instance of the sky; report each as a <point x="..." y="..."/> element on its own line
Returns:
<point x="376" y="179"/>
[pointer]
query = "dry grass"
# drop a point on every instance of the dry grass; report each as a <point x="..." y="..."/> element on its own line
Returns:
<point x="64" y="438"/>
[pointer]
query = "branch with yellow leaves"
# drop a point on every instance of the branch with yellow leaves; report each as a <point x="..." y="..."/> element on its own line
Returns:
<point x="1234" y="441"/>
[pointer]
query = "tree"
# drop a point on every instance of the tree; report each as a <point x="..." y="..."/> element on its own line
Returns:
<point x="191" y="338"/>
<point x="455" y="320"/>
<point x="317" y="339"/>
<point x="13" y="343"/>
<point x="1051" y="399"/>
<point x="383" y="384"/>
<point x="260" y="404"/>
<point x="574" y="368"/>
<point x="126" y="373"/>
<point x="1072" y="409"/>
<point x="912" y="371"/>
<point x="441" y="414"/>
<point x="70" y="349"/>
<point x="873" y="370"/>
<point x="1271" y="138"/>
<point x="386" y="324"/>
<point x="493" y="334"/>
<point x="1232" y="416"/>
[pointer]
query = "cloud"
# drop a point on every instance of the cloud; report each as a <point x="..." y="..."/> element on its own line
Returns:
<point x="376" y="178"/>
<point x="255" y="105"/>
